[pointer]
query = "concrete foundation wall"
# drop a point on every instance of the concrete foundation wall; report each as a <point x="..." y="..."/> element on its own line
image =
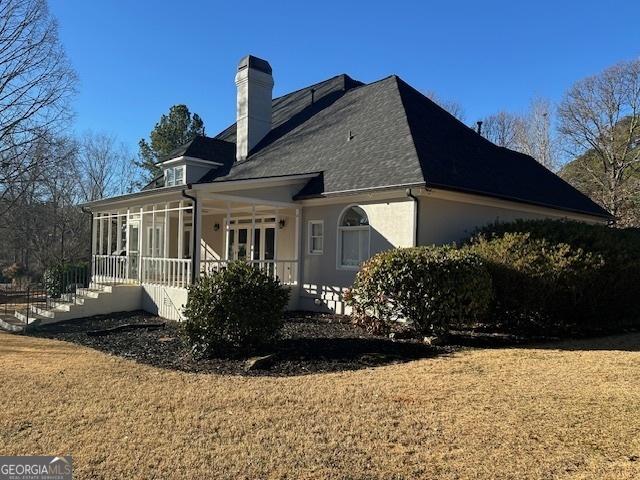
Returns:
<point x="166" y="302"/>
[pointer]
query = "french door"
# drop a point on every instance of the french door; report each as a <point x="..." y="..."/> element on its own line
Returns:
<point x="241" y="245"/>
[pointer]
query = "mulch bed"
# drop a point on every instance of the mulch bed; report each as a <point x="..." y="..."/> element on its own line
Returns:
<point x="309" y="343"/>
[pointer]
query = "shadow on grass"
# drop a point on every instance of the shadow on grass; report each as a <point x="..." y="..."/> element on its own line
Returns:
<point x="628" y="342"/>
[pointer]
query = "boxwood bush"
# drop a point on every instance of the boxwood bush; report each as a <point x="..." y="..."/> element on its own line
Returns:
<point x="561" y="276"/>
<point x="434" y="288"/>
<point x="236" y="309"/>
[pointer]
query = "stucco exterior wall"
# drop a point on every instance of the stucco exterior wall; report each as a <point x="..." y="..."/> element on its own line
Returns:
<point x="391" y="223"/>
<point x="445" y="220"/>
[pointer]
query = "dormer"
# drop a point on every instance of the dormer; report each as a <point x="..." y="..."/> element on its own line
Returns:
<point x="198" y="158"/>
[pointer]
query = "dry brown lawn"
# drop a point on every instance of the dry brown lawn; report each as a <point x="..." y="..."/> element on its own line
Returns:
<point x="570" y="410"/>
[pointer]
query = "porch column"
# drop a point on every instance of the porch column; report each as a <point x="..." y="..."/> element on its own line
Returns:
<point x="101" y="235"/>
<point x="94" y="236"/>
<point x="197" y="232"/>
<point x="275" y="248"/>
<point x="253" y="232"/>
<point x="180" y="229"/>
<point x="167" y="228"/>
<point x="227" y="229"/>
<point x="127" y="246"/>
<point x="297" y="247"/>
<point x="153" y="231"/>
<point x="140" y="245"/>
<point x="109" y="233"/>
<point x="119" y="233"/>
<point x="275" y="235"/>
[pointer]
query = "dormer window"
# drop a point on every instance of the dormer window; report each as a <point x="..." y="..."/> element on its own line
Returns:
<point x="174" y="176"/>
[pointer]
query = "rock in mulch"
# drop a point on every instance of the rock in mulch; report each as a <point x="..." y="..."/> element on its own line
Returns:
<point x="263" y="362"/>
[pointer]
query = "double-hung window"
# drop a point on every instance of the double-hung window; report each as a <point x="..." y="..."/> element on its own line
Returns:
<point x="316" y="237"/>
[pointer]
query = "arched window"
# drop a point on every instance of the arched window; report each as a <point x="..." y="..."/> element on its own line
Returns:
<point x="353" y="238"/>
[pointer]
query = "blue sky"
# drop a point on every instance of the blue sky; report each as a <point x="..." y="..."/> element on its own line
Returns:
<point x="136" y="59"/>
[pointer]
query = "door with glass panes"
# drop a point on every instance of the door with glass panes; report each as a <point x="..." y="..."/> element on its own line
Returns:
<point x="259" y="247"/>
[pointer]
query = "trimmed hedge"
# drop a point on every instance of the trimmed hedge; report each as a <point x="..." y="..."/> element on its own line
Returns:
<point x="238" y="308"/>
<point x="434" y="288"/>
<point x="556" y="277"/>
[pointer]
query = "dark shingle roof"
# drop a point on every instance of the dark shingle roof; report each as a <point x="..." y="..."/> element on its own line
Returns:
<point x="205" y="148"/>
<point x="386" y="133"/>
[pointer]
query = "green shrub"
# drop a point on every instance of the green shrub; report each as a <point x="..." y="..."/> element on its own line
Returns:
<point x="558" y="276"/>
<point x="238" y="308"/>
<point x="539" y="287"/>
<point x="52" y="280"/>
<point x="64" y="278"/>
<point x="435" y="288"/>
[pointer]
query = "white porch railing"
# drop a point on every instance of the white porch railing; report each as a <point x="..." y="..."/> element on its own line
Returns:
<point x="110" y="269"/>
<point x="171" y="272"/>
<point x="284" y="270"/>
<point x="176" y="272"/>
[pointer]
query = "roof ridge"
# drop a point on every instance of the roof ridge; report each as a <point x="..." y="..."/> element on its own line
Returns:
<point x="345" y="75"/>
<point x="408" y="124"/>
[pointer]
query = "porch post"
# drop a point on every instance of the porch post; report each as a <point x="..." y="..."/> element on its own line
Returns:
<point x="227" y="229"/>
<point x="253" y="232"/>
<point x="275" y="247"/>
<point x="167" y="227"/>
<point x="127" y="245"/>
<point x="94" y="236"/>
<point x="110" y="233"/>
<point x="180" y="229"/>
<point x="197" y="232"/>
<point x="140" y="245"/>
<point x="101" y="237"/>
<point x="119" y="233"/>
<point x="297" y="246"/>
<point x="153" y="231"/>
<point x="275" y="235"/>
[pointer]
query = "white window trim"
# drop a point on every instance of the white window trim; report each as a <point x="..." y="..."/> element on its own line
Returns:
<point x="173" y="172"/>
<point x="339" y="230"/>
<point x="310" y="237"/>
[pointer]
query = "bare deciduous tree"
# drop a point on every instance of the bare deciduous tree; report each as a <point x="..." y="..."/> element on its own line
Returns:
<point x="36" y="83"/>
<point x="504" y="129"/>
<point x="105" y="168"/>
<point x="600" y="115"/>
<point x="454" y="108"/>
<point x="537" y="138"/>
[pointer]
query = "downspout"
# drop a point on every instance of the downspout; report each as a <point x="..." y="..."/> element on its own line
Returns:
<point x="415" y="216"/>
<point x="195" y="239"/>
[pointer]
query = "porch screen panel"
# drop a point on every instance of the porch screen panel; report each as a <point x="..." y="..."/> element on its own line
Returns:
<point x="269" y="243"/>
<point x="256" y="244"/>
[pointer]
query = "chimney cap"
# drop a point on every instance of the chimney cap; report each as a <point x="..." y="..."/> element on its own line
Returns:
<point x="255" y="63"/>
